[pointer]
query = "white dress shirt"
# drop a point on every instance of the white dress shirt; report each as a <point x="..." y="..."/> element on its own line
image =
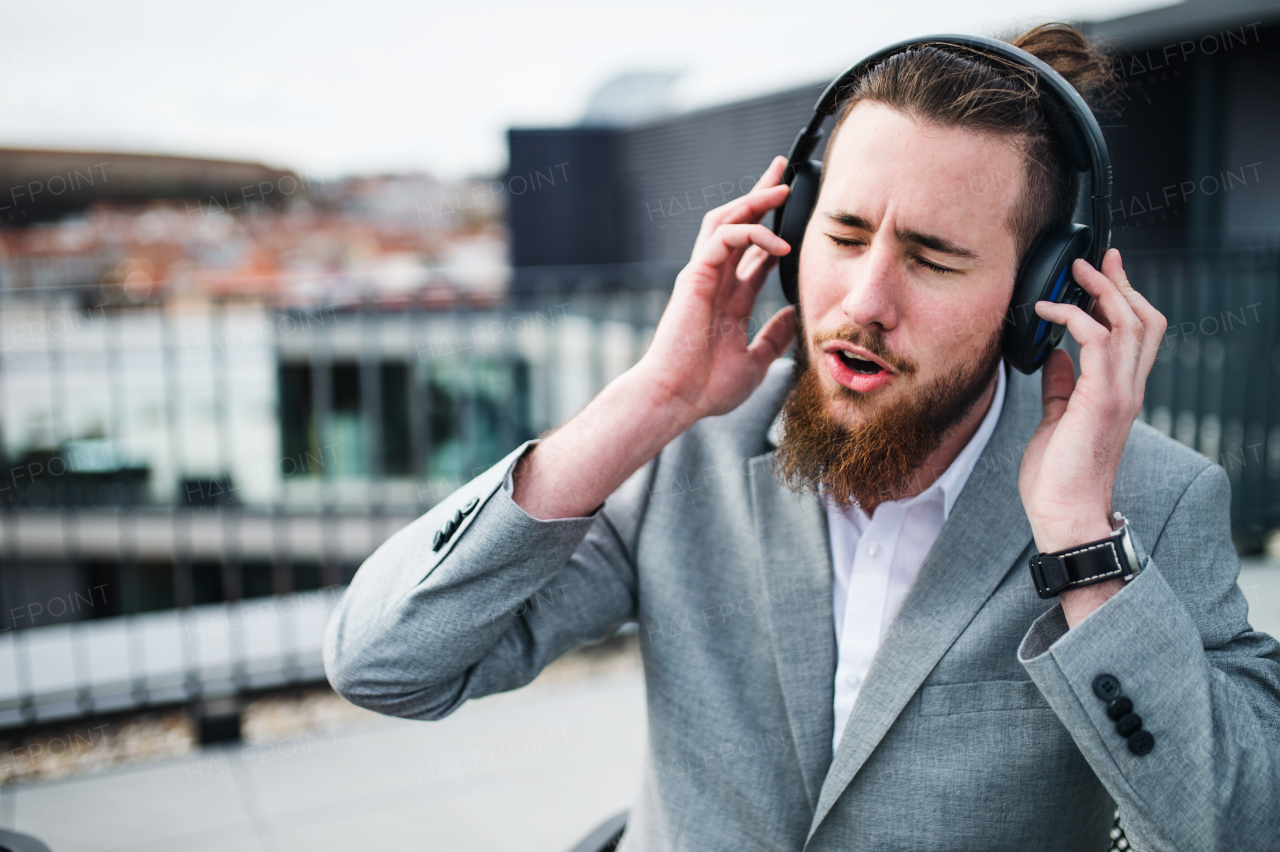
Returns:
<point x="876" y="558"/>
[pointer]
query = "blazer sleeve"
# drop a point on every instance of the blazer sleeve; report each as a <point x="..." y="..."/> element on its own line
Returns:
<point x="421" y="630"/>
<point x="1205" y="684"/>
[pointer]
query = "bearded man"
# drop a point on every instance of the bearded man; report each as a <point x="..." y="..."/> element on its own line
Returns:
<point x="827" y="560"/>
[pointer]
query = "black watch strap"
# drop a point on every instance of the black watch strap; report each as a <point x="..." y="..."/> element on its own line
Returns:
<point x="1085" y="564"/>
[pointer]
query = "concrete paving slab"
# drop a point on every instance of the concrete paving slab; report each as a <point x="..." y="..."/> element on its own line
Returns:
<point x="531" y="770"/>
<point x="136" y="808"/>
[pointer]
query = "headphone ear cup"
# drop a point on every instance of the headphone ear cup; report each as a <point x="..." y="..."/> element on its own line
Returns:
<point x="1045" y="276"/>
<point x="791" y="220"/>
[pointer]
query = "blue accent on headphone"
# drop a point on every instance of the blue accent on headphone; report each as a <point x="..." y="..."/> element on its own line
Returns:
<point x="1053" y="297"/>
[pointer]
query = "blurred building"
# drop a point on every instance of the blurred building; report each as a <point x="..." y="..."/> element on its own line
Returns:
<point x="40" y="186"/>
<point x="634" y="194"/>
<point x="236" y="230"/>
<point x="222" y="382"/>
<point x="222" y="386"/>
<point x="1194" y="144"/>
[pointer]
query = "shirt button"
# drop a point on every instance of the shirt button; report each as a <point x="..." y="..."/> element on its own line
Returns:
<point x="874" y="549"/>
<point x="853" y="679"/>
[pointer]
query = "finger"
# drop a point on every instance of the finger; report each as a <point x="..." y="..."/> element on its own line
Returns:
<point x="753" y="271"/>
<point x="1113" y="268"/>
<point x="749" y="209"/>
<point x="1085" y="329"/>
<point x="1127" y="334"/>
<point x="1057" y="383"/>
<point x="1153" y="322"/>
<point x="1114" y="307"/>
<point x="711" y="268"/>
<point x="752" y="260"/>
<point x="774" y="338"/>
<point x="773" y="174"/>
<point x="729" y="239"/>
<point x="751" y="267"/>
<point x="759" y="275"/>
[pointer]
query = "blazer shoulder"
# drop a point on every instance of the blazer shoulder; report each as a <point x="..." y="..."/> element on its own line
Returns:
<point x="1155" y="472"/>
<point x="1149" y="451"/>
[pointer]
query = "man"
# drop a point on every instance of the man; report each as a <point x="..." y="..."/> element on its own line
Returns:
<point x="842" y="647"/>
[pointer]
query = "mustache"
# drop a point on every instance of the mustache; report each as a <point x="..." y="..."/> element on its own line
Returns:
<point x="872" y="341"/>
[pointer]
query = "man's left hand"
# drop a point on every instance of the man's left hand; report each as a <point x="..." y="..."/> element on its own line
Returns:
<point x="1069" y="466"/>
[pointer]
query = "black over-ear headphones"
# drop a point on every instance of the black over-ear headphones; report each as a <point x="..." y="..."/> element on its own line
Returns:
<point x="1046" y="272"/>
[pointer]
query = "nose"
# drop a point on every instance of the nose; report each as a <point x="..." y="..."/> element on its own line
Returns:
<point x="873" y="283"/>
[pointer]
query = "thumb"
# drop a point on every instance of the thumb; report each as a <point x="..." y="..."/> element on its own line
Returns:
<point x="774" y="338"/>
<point x="1056" y="384"/>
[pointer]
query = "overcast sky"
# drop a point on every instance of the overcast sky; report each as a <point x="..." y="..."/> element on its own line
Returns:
<point x="383" y="85"/>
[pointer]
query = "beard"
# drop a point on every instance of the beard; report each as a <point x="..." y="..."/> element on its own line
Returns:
<point x="878" y="459"/>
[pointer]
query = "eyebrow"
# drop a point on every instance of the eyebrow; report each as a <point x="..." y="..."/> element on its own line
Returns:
<point x="929" y="241"/>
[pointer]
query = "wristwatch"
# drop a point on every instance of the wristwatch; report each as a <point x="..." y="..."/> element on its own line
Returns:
<point x="1116" y="556"/>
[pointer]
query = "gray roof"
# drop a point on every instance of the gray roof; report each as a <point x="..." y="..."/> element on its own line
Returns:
<point x="1192" y="19"/>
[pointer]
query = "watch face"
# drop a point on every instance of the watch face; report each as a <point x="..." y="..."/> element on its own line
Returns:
<point x="1127" y="552"/>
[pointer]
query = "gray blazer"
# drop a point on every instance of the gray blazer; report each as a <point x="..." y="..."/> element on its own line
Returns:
<point x="977" y="727"/>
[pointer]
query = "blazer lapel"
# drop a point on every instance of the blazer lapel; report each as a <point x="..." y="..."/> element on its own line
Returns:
<point x="796" y="576"/>
<point x="985" y="532"/>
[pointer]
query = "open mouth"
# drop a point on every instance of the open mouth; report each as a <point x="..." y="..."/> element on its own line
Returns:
<point x="861" y="373"/>
<point x="858" y="365"/>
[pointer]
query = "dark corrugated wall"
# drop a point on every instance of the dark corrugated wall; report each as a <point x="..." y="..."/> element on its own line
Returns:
<point x="630" y="209"/>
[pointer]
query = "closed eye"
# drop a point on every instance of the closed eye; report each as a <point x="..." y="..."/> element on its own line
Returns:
<point x="932" y="267"/>
<point x="841" y="241"/>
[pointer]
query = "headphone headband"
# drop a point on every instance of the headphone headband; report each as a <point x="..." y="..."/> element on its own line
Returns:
<point x="1044" y="272"/>
<point x="1063" y="100"/>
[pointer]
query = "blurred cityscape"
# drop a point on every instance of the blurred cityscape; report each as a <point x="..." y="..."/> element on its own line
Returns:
<point x="223" y="384"/>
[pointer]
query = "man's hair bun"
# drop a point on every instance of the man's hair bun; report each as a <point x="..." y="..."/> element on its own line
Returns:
<point x="1086" y="65"/>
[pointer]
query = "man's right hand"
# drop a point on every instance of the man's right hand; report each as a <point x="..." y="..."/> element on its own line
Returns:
<point x="702" y="356"/>
<point x="701" y="362"/>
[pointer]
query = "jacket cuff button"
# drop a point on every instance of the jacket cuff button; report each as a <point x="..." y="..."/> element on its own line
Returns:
<point x="1106" y="686"/>
<point x="1141" y="743"/>
<point x="1129" y="725"/>
<point x="1119" y="708"/>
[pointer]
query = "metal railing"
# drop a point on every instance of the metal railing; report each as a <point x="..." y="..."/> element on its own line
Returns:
<point x="1215" y="385"/>
<point x="179" y="464"/>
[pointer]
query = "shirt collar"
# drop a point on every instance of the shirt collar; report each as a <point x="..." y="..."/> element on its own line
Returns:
<point x="953" y="479"/>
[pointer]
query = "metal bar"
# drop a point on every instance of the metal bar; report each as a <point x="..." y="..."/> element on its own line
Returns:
<point x="418" y="396"/>
<point x="126" y="514"/>
<point x="322" y="429"/>
<point x="64" y="498"/>
<point x="180" y="514"/>
<point x="370" y="376"/>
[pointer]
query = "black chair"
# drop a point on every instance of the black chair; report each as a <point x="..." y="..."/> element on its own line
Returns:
<point x="606" y="837"/>
<point x="12" y="841"/>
